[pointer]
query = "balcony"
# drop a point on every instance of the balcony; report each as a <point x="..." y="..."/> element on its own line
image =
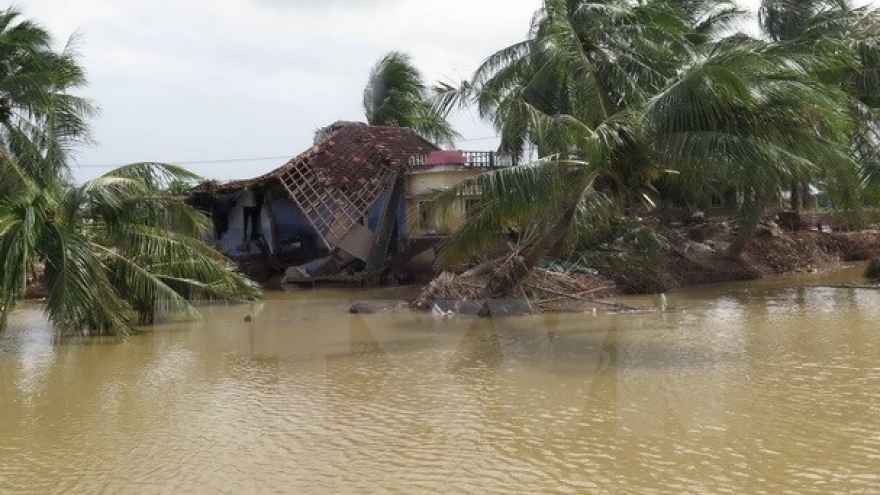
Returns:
<point x="487" y="160"/>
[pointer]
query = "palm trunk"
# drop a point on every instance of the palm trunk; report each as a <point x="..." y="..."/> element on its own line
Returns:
<point x="748" y="225"/>
<point x="551" y="238"/>
<point x="797" y="198"/>
<point x="506" y="278"/>
<point x="735" y="250"/>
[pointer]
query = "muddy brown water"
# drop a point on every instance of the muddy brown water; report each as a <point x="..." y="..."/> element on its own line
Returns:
<point x="765" y="387"/>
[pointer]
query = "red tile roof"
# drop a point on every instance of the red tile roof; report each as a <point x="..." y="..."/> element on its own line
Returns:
<point x="350" y="156"/>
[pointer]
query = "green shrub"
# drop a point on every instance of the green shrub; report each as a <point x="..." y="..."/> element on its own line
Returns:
<point x="872" y="271"/>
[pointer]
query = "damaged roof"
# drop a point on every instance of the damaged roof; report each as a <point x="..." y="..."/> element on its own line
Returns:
<point x="350" y="156"/>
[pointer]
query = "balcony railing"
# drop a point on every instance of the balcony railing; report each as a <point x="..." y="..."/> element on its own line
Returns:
<point x="465" y="159"/>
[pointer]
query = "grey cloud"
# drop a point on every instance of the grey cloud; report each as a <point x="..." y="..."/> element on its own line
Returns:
<point x="319" y="5"/>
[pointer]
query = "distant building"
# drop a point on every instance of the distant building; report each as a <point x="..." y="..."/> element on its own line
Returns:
<point x="439" y="170"/>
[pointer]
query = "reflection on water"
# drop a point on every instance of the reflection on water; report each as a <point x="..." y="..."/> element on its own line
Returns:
<point x="754" y="388"/>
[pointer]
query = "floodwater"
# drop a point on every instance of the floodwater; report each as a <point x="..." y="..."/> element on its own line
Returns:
<point x="758" y="388"/>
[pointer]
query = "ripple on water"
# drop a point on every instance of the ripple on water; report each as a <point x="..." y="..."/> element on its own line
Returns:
<point x="737" y="398"/>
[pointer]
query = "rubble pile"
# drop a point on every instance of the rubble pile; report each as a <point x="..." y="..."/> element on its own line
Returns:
<point x="540" y="289"/>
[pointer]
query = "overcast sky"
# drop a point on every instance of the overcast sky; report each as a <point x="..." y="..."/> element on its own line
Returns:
<point x="241" y="85"/>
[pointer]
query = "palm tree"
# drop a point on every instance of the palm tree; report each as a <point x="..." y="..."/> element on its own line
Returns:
<point x="619" y="92"/>
<point x="753" y="118"/>
<point x="112" y="251"/>
<point x="788" y="19"/>
<point x="396" y="95"/>
<point x="115" y="250"/>
<point x="840" y="41"/>
<point x="40" y="120"/>
<point x="571" y="90"/>
<point x="584" y="69"/>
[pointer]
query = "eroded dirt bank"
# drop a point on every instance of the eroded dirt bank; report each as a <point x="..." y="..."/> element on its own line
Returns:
<point x="657" y="258"/>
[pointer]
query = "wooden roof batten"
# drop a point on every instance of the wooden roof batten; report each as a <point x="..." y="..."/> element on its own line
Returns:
<point x="333" y="212"/>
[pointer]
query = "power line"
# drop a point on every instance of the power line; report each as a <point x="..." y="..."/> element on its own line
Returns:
<point x="484" y="138"/>
<point x="190" y="162"/>
<point x="236" y="160"/>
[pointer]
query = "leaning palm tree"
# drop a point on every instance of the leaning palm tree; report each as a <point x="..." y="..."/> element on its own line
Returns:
<point x="114" y="251"/>
<point x="752" y="118"/>
<point x="569" y="90"/>
<point x="838" y="42"/>
<point x="111" y="252"/>
<point x="40" y="119"/>
<point x="397" y="96"/>
<point x="617" y="113"/>
<point x="584" y="68"/>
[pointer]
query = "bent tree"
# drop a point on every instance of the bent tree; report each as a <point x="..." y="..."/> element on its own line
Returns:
<point x="622" y="92"/>
<point x="396" y="95"/>
<point x="110" y="252"/>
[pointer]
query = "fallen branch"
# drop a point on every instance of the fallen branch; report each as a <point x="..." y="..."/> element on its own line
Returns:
<point x="590" y="300"/>
<point x="507" y="276"/>
<point x="526" y="297"/>
<point x="550" y="300"/>
<point x="489" y="266"/>
<point x="597" y="289"/>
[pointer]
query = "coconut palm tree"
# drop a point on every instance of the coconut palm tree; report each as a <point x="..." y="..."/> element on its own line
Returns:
<point x="570" y="90"/>
<point x="621" y="91"/>
<point x="114" y="251"/>
<point x="786" y="22"/>
<point x="788" y="19"/>
<point x="397" y="96"/>
<point x="753" y="118"/>
<point x="585" y="67"/>
<point x="40" y="120"/>
<point x="111" y="252"/>
<point x="840" y="43"/>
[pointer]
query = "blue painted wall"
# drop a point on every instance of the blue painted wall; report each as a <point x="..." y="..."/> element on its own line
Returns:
<point x="290" y="221"/>
<point x="234" y="238"/>
<point x="375" y="213"/>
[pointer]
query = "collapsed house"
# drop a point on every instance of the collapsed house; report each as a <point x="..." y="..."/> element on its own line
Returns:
<point x="333" y="213"/>
<point x="339" y="210"/>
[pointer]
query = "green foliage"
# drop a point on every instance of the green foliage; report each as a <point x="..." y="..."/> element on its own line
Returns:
<point x="637" y="260"/>
<point x="631" y="91"/>
<point x="40" y="120"/>
<point x="872" y="271"/>
<point x="838" y="46"/>
<point x="114" y="250"/>
<point x="529" y="201"/>
<point x="396" y="96"/>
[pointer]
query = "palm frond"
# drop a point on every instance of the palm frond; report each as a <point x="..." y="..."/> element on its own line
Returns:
<point x="154" y="176"/>
<point x="395" y="95"/>
<point x="523" y="198"/>
<point x="19" y="237"/>
<point x="80" y="296"/>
